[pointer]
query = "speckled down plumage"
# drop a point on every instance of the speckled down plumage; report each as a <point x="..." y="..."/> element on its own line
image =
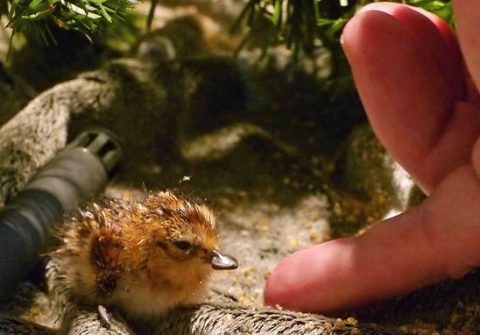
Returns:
<point x="141" y="256"/>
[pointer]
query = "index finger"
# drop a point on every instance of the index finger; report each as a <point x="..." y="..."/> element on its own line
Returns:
<point x="410" y="77"/>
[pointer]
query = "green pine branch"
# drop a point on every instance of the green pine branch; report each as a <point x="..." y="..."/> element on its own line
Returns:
<point x="305" y="26"/>
<point x="36" y="18"/>
<point x="299" y="24"/>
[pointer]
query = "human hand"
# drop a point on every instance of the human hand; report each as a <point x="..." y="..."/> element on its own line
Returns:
<point x="425" y="108"/>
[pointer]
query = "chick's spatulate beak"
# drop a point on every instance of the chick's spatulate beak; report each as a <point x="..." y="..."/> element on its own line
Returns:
<point x="223" y="262"/>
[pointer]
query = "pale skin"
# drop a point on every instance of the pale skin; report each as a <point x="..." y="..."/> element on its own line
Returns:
<point x="418" y="82"/>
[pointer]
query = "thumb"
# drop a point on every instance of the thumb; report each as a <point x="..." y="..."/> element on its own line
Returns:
<point x="434" y="241"/>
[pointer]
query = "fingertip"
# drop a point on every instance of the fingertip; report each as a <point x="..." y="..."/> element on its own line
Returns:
<point x="433" y="34"/>
<point x="284" y="282"/>
<point x="303" y="280"/>
<point x="360" y="31"/>
<point x="274" y="288"/>
<point x="395" y="9"/>
<point x="352" y="272"/>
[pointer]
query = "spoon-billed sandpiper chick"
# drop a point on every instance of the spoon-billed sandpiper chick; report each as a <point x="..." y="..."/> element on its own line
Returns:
<point x="142" y="257"/>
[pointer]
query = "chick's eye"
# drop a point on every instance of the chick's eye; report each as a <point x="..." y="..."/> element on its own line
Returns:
<point x="182" y="245"/>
